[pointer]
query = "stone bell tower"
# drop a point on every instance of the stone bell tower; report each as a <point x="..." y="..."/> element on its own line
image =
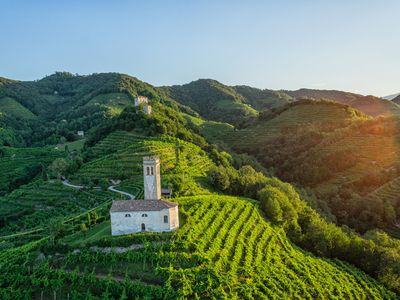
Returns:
<point x="151" y="176"/>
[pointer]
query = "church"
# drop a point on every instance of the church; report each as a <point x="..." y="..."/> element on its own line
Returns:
<point x="151" y="214"/>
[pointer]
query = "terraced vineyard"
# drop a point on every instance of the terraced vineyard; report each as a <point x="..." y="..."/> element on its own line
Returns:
<point x="225" y="249"/>
<point x="115" y="141"/>
<point x="238" y="242"/>
<point x="290" y="118"/>
<point x="388" y="193"/>
<point x="33" y="205"/>
<point x="127" y="160"/>
<point x="16" y="162"/>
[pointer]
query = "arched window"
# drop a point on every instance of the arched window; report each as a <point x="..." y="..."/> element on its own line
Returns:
<point x="143" y="227"/>
<point x="165" y="219"/>
<point x="127" y="215"/>
<point x="147" y="171"/>
<point x="144" y="215"/>
<point x="152" y="171"/>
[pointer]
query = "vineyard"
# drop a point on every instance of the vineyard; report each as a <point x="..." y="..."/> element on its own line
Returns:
<point x="225" y="249"/>
<point x="17" y="163"/>
<point x="120" y="156"/>
<point x="33" y="205"/>
<point x="292" y="117"/>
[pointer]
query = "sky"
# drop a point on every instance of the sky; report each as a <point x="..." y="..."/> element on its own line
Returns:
<point x="350" y="45"/>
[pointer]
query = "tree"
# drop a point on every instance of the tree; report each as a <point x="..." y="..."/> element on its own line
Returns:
<point x="270" y="199"/>
<point x="219" y="178"/>
<point x="59" y="167"/>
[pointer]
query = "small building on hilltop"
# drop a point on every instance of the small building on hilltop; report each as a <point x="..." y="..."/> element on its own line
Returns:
<point x="151" y="214"/>
<point x="141" y="100"/>
<point x="81" y="133"/>
<point x="143" y="103"/>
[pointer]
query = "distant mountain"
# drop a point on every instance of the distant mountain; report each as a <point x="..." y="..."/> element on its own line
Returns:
<point x="396" y="99"/>
<point x="391" y="97"/>
<point x="263" y="99"/>
<point x="213" y="100"/>
<point x="370" y="105"/>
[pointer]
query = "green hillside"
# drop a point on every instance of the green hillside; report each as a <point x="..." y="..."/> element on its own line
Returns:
<point x="34" y="205"/>
<point x="20" y="165"/>
<point x="263" y="99"/>
<point x="225" y="249"/>
<point x="369" y="105"/>
<point x="120" y="156"/>
<point x="213" y="100"/>
<point x="292" y="116"/>
<point x="12" y="108"/>
<point x="286" y="242"/>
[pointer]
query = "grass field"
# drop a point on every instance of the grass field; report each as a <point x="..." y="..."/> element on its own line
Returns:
<point x="97" y="232"/>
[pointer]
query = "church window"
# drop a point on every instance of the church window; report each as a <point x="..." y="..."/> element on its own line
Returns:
<point x="144" y="215"/>
<point x="127" y="215"/>
<point x="147" y="171"/>
<point x="152" y="171"/>
<point x="165" y="219"/>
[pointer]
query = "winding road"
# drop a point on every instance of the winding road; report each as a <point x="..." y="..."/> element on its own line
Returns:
<point x="110" y="188"/>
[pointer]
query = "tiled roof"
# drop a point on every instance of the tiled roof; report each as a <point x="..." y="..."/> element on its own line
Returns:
<point x="141" y="205"/>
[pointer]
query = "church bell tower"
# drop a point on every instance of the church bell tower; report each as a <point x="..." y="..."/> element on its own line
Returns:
<point x="151" y="176"/>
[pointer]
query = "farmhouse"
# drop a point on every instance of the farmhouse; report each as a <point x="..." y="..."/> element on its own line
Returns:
<point x="151" y="214"/>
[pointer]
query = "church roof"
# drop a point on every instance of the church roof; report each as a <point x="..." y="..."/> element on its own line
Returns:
<point x="141" y="205"/>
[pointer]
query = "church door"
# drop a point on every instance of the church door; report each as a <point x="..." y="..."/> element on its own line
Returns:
<point x="143" y="227"/>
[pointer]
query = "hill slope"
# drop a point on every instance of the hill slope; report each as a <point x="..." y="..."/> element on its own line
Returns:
<point x="225" y="249"/>
<point x="212" y="100"/>
<point x="291" y="117"/>
<point x="369" y="105"/>
<point x="263" y="99"/>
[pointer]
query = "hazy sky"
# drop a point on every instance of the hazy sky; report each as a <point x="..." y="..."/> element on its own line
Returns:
<point x="349" y="45"/>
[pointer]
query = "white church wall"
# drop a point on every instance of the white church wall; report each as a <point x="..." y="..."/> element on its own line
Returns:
<point x="174" y="218"/>
<point x="121" y="224"/>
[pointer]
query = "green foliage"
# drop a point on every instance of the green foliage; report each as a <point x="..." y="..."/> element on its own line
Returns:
<point x="20" y="165"/>
<point x="309" y="230"/>
<point x="270" y="202"/>
<point x="263" y="99"/>
<point x="369" y="105"/>
<point x="213" y="100"/>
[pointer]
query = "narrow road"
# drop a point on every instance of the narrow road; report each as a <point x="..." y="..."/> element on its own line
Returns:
<point x="66" y="183"/>
<point x="110" y="188"/>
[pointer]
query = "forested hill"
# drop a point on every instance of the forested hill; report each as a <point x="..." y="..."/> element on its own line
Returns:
<point x="263" y="99"/>
<point x="213" y="100"/>
<point x="369" y="105"/>
<point x="54" y="108"/>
